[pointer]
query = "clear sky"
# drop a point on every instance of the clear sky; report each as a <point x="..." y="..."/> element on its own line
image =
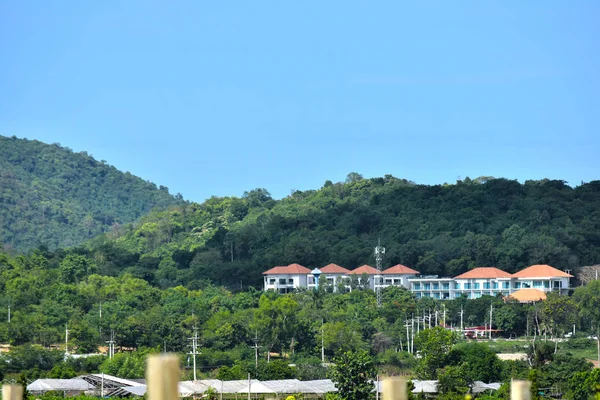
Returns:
<point x="218" y="97"/>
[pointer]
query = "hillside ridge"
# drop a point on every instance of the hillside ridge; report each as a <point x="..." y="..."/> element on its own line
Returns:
<point x="52" y="196"/>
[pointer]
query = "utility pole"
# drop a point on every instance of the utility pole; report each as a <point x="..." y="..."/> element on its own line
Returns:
<point x="66" y="339"/>
<point x="491" y="312"/>
<point x="379" y="252"/>
<point x="462" y="328"/>
<point x="111" y="344"/>
<point x="436" y="316"/>
<point x="322" y="342"/>
<point x="444" y="317"/>
<point x="407" y="325"/>
<point x="412" y="340"/>
<point x="100" y="322"/>
<point x="9" y="311"/>
<point x="194" y="351"/>
<point x="255" y="347"/>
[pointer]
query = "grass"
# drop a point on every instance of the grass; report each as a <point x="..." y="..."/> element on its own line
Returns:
<point x="579" y="347"/>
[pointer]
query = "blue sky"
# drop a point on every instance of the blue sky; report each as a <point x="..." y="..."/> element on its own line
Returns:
<point x="215" y="98"/>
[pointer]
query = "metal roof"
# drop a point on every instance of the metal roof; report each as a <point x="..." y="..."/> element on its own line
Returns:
<point x="65" y="385"/>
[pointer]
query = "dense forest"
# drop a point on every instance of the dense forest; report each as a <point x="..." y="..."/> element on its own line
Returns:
<point x="49" y="291"/>
<point x="53" y="196"/>
<point x="198" y="266"/>
<point x="441" y="229"/>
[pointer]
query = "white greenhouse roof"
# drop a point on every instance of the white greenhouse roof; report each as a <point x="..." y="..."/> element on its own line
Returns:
<point x="45" y="385"/>
<point x="257" y="387"/>
<point x="425" y="386"/>
<point x="479" y="386"/>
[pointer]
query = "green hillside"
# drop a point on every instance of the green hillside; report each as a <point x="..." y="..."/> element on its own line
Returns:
<point x="51" y="196"/>
<point x="441" y="229"/>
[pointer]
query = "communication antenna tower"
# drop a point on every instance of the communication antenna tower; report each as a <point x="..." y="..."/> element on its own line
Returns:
<point x="194" y="351"/>
<point x="379" y="252"/>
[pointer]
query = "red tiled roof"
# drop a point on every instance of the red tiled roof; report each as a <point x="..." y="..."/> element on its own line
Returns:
<point x="334" y="269"/>
<point x="528" y="295"/>
<point x="295" y="269"/>
<point x="400" y="270"/>
<point x="365" y="269"/>
<point x="541" y="271"/>
<point x="484" y="273"/>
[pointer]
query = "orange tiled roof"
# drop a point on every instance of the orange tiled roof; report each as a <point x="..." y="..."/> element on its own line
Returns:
<point x="541" y="271"/>
<point x="400" y="270"/>
<point x="365" y="269"/>
<point x="484" y="273"/>
<point x="290" y="269"/>
<point x="334" y="269"/>
<point x="528" y="295"/>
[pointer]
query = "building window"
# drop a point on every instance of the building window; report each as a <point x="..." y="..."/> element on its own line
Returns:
<point x="506" y="285"/>
<point x="416" y="286"/>
<point x="282" y="281"/>
<point x="436" y="295"/>
<point x="311" y="280"/>
<point x="427" y="286"/>
<point x="467" y="286"/>
<point x="526" y="285"/>
<point x="556" y="284"/>
<point x="388" y="281"/>
<point x="457" y="285"/>
<point x="537" y="284"/>
<point x="547" y="284"/>
<point x="517" y="285"/>
<point x="446" y="286"/>
<point x="291" y="281"/>
<point x="272" y="281"/>
<point x="494" y="285"/>
<point x="486" y="285"/>
<point x="436" y="286"/>
<point x="476" y="285"/>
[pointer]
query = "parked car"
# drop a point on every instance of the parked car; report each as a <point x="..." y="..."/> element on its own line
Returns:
<point x="593" y="337"/>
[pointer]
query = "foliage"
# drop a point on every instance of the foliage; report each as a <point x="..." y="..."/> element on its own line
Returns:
<point x="478" y="361"/>
<point x="440" y="229"/>
<point x="54" y="196"/>
<point x="454" y="379"/>
<point x="353" y="374"/>
<point x="434" y="345"/>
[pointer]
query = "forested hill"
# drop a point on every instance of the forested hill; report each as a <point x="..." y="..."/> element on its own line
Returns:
<point x="52" y="196"/>
<point x="441" y="229"/>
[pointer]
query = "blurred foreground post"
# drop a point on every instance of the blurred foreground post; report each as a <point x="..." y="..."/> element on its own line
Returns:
<point x="520" y="390"/>
<point x="162" y="376"/>
<point x="12" y="392"/>
<point x="394" y="389"/>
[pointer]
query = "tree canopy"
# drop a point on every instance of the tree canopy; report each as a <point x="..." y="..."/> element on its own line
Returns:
<point x="53" y="196"/>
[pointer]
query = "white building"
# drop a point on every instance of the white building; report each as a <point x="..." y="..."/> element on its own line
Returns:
<point x="373" y="274"/>
<point x="286" y="279"/>
<point x="478" y="282"/>
<point x="482" y="281"/>
<point x="333" y="275"/>
<point x="398" y="275"/>
<point x="432" y="286"/>
<point x="542" y="277"/>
